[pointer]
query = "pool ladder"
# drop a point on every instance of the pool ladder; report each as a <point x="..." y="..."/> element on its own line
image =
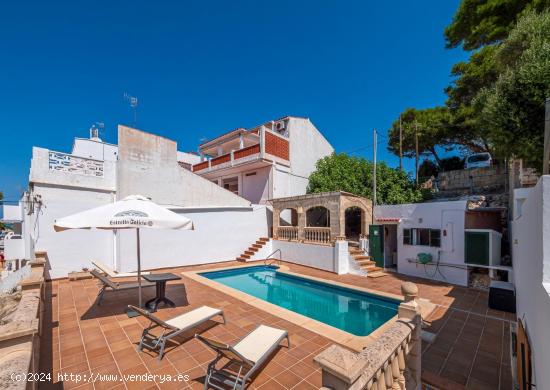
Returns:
<point x="270" y="256"/>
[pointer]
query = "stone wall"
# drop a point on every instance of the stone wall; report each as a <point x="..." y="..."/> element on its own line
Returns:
<point x="20" y="335"/>
<point x="477" y="179"/>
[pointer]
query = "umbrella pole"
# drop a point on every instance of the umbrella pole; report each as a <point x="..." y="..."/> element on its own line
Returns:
<point x="139" y="265"/>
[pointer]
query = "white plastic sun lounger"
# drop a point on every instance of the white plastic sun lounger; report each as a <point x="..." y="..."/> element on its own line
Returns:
<point x="249" y="353"/>
<point x="114" y="274"/>
<point x="173" y="327"/>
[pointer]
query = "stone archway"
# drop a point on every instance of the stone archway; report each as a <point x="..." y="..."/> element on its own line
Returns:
<point x="353" y="222"/>
<point x="318" y="216"/>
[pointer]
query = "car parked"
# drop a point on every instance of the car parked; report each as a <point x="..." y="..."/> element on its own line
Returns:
<point x="479" y="160"/>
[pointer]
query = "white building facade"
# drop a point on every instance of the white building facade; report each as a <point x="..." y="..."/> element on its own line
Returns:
<point x="269" y="161"/>
<point x="96" y="173"/>
<point x="443" y="231"/>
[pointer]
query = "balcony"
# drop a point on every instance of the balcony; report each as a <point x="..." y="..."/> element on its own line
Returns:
<point x="266" y="145"/>
<point x="57" y="168"/>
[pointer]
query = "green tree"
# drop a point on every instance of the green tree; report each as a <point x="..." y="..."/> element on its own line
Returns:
<point x="452" y="163"/>
<point x="434" y="130"/>
<point x="478" y="23"/>
<point x="427" y="169"/>
<point x="512" y="109"/>
<point x="341" y="172"/>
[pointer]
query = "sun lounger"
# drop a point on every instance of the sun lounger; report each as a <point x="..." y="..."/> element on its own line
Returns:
<point x="114" y="274"/>
<point x="109" y="285"/>
<point x="249" y="353"/>
<point x="173" y="327"/>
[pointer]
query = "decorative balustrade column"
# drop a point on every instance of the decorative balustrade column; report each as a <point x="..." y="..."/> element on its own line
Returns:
<point x="410" y="310"/>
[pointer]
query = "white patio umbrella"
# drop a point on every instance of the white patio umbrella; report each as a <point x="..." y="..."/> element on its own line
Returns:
<point x="133" y="212"/>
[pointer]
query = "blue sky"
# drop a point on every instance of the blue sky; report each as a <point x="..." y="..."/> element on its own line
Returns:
<point x="205" y="67"/>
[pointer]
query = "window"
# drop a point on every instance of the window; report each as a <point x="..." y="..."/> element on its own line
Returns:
<point x="435" y="237"/>
<point x="407" y="237"/>
<point x="424" y="237"/>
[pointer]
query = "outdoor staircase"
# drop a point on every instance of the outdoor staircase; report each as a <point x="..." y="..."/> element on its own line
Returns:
<point x="365" y="262"/>
<point x="253" y="249"/>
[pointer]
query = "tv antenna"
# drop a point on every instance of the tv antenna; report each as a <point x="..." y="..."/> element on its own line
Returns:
<point x="133" y="101"/>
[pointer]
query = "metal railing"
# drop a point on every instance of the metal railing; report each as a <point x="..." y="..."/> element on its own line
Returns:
<point x="317" y="234"/>
<point x="287" y="233"/>
<point x="278" y="261"/>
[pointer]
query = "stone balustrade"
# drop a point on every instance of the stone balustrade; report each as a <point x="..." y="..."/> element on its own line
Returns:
<point x="288" y="233"/>
<point x="392" y="361"/>
<point x="320" y="235"/>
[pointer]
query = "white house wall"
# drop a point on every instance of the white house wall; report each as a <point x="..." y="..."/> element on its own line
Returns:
<point x="70" y="250"/>
<point x="447" y="216"/>
<point x="307" y="146"/>
<point x="531" y="256"/>
<point x="221" y="234"/>
<point x="148" y="166"/>
<point x="255" y="187"/>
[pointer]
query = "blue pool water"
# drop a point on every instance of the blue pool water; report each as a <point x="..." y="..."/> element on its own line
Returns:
<point x="350" y="310"/>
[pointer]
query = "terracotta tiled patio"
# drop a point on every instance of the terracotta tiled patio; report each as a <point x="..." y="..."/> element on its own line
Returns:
<point x="471" y="350"/>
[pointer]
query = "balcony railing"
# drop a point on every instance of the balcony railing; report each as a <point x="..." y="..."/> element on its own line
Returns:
<point x="288" y="233"/>
<point x="78" y="165"/>
<point x="273" y="146"/>
<point x="317" y="234"/>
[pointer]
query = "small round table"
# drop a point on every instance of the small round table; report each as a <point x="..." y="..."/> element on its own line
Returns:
<point x="160" y="281"/>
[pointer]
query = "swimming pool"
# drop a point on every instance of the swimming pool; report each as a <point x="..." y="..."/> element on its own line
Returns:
<point x="353" y="311"/>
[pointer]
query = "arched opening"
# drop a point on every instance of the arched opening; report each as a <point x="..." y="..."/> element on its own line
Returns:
<point x="288" y="217"/>
<point x="353" y="217"/>
<point x="318" y="216"/>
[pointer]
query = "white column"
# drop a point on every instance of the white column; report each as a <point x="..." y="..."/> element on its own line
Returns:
<point x="341" y="254"/>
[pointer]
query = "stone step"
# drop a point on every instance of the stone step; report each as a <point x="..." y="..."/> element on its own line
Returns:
<point x="257" y="246"/>
<point x="263" y="239"/>
<point x="249" y="253"/>
<point x="365" y="262"/>
<point x="240" y="258"/>
<point x="252" y="249"/>
<point x="361" y="257"/>
<point x="372" y="268"/>
<point x="245" y="256"/>
<point x="356" y="251"/>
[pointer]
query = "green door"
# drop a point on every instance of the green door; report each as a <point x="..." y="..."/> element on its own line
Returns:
<point x="376" y="244"/>
<point x="477" y="248"/>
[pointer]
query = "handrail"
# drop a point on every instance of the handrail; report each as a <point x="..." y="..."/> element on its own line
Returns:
<point x="271" y="254"/>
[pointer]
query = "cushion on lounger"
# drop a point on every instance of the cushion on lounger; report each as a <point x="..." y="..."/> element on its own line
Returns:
<point x="257" y="343"/>
<point x="194" y="316"/>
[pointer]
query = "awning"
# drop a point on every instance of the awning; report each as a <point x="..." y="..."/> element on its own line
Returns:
<point x="393" y="219"/>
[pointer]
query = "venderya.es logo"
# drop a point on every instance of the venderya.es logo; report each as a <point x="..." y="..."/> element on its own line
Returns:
<point x="131" y="217"/>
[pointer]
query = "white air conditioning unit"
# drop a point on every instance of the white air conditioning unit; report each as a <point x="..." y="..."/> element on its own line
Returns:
<point x="280" y="126"/>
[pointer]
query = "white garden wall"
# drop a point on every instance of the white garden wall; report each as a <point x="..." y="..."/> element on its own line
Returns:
<point x="70" y="250"/>
<point x="221" y="234"/>
<point x="316" y="256"/>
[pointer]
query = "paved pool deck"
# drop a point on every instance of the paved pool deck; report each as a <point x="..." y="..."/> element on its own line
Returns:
<point x="471" y="350"/>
